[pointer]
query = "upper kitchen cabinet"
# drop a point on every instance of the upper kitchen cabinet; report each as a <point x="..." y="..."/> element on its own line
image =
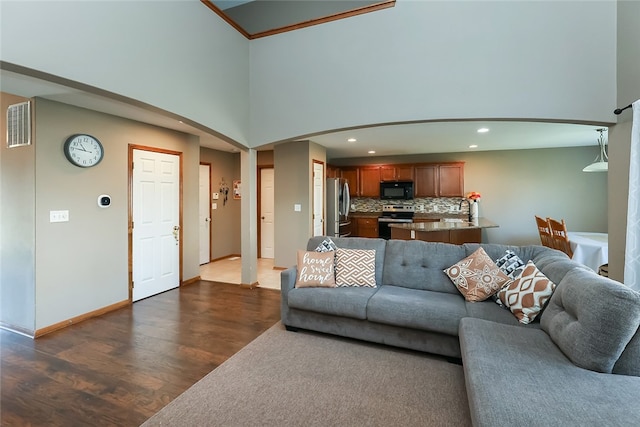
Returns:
<point x="396" y="172"/>
<point x="351" y="175"/>
<point x="370" y="181"/>
<point x="439" y="180"/>
<point x="451" y="180"/>
<point x="333" y="172"/>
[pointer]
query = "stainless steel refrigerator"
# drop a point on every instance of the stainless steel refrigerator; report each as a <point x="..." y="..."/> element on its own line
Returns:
<point x="338" y="204"/>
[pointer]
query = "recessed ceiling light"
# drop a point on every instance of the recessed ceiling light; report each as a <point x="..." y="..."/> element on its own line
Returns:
<point x="483" y="130"/>
<point x="180" y="121"/>
<point x="473" y="146"/>
<point x="351" y="140"/>
<point x="371" y="152"/>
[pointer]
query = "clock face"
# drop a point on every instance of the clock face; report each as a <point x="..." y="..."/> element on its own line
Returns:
<point x="83" y="150"/>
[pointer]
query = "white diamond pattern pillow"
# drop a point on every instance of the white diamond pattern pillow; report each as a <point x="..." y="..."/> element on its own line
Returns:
<point x="356" y="267"/>
<point x="527" y="295"/>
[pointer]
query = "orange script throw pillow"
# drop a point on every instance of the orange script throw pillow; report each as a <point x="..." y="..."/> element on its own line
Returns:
<point x="315" y="269"/>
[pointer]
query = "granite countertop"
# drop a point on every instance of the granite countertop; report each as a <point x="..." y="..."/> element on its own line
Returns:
<point x="442" y="225"/>
<point x="365" y="214"/>
<point x="417" y="215"/>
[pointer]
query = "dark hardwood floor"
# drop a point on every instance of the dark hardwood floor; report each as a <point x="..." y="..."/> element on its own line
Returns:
<point x="120" y="368"/>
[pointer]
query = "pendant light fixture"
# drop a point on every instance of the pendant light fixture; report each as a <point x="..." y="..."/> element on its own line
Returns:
<point x="601" y="164"/>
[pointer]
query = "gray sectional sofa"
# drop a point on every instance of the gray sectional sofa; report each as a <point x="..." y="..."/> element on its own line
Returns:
<point x="578" y="363"/>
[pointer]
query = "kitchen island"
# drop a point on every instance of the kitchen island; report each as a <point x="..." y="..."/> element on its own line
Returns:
<point x="456" y="231"/>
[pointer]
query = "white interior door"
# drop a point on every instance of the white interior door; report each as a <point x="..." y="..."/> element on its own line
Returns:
<point x="156" y="223"/>
<point x="318" y="198"/>
<point x="267" y="235"/>
<point x="204" y="216"/>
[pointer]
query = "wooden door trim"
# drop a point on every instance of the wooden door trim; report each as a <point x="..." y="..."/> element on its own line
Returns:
<point x="259" y="203"/>
<point x="133" y="147"/>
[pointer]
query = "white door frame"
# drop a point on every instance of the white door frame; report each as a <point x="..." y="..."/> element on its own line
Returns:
<point x="133" y="147"/>
<point x="204" y="223"/>
<point x="317" y="208"/>
<point x="259" y="203"/>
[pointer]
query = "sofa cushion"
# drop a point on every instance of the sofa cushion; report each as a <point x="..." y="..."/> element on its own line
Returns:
<point x="379" y="245"/>
<point x="356" y="267"/>
<point x="347" y="302"/>
<point x="477" y="277"/>
<point x="629" y="361"/>
<point x="417" y="309"/>
<point x="592" y="319"/>
<point x="528" y="294"/>
<point x="495" y="251"/>
<point x="315" y="269"/>
<point x="489" y="310"/>
<point x="419" y="265"/>
<point x="516" y="376"/>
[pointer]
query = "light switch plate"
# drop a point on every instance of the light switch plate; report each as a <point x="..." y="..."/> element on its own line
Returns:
<point x="58" y="216"/>
<point x="297" y="207"/>
<point x="214" y="206"/>
<point x="215" y="196"/>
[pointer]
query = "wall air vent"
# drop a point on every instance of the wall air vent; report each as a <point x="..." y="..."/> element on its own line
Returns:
<point x="19" y="124"/>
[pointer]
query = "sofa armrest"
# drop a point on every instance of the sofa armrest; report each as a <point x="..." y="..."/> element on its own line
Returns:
<point x="287" y="282"/>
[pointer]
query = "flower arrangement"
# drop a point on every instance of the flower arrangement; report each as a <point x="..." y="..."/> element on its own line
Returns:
<point x="474" y="196"/>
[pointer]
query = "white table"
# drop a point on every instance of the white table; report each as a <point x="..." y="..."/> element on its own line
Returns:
<point x="590" y="249"/>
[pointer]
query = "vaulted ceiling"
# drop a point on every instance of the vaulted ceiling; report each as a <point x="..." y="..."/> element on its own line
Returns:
<point x="262" y="18"/>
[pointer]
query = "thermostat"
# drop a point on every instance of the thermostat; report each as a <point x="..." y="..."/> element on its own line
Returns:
<point x="104" y="200"/>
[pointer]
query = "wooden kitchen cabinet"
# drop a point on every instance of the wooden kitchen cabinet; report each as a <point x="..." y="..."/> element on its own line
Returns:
<point x="365" y="227"/>
<point x="333" y="172"/>
<point x="451" y="180"/>
<point x="396" y="173"/>
<point x="351" y="175"/>
<point x="426" y="183"/>
<point x="439" y="180"/>
<point x="370" y="181"/>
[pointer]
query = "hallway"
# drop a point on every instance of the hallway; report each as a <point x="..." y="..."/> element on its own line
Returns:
<point x="228" y="270"/>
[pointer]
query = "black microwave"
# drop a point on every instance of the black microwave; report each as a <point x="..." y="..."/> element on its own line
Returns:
<point x="396" y="190"/>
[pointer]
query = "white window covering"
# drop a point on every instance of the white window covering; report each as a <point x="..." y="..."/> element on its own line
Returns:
<point x="632" y="251"/>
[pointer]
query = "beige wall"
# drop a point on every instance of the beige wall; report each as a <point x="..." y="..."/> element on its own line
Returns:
<point x="225" y="221"/>
<point x="17" y="231"/>
<point x="619" y="146"/>
<point x="82" y="265"/>
<point x="628" y="70"/>
<point x="518" y="184"/>
<point x="293" y="185"/>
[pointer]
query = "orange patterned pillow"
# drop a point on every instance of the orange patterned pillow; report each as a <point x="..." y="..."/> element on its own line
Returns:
<point x="527" y="295"/>
<point x="477" y="277"/>
<point x="356" y="267"/>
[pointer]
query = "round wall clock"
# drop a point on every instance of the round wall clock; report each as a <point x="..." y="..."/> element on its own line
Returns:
<point x="83" y="150"/>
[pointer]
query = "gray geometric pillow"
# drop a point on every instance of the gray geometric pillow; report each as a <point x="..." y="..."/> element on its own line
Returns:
<point x="327" y="245"/>
<point x="511" y="264"/>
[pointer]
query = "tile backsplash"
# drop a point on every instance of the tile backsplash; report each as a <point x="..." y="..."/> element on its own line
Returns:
<point x="429" y="204"/>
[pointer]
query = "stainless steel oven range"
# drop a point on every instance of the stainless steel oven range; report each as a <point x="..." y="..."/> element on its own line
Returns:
<point x="393" y="214"/>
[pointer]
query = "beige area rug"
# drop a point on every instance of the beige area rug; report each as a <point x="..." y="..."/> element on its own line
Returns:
<point x="306" y="379"/>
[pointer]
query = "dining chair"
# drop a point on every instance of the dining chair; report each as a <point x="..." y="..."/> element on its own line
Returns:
<point x="545" y="232"/>
<point x="559" y="236"/>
